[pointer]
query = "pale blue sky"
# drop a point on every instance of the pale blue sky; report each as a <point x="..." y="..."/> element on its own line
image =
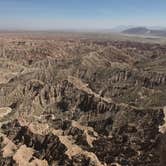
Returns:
<point x="80" y="14"/>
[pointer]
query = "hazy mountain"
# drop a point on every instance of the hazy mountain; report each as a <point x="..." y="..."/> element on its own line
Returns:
<point x="145" y="31"/>
<point x="121" y="28"/>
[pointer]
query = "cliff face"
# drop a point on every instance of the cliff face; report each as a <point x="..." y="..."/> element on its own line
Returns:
<point x="82" y="102"/>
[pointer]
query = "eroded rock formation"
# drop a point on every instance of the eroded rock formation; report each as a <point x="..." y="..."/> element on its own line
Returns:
<point x="82" y="102"/>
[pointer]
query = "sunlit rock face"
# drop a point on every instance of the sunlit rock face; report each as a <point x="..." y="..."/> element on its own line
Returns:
<point x="81" y="101"/>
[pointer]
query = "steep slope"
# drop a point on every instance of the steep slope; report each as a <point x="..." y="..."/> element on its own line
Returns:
<point x="82" y="102"/>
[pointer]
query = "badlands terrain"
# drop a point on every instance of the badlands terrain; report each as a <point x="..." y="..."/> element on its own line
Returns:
<point x="81" y="100"/>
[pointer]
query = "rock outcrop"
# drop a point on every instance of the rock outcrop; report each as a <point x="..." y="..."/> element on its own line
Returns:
<point x="82" y="102"/>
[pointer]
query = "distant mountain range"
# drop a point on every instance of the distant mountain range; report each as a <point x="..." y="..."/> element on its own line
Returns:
<point x="121" y="28"/>
<point x="145" y="31"/>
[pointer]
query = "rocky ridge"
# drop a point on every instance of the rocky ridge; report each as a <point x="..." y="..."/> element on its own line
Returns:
<point x="82" y="102"/>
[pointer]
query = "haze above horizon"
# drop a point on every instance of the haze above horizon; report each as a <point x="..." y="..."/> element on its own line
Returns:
<point x="80" y="14"/>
